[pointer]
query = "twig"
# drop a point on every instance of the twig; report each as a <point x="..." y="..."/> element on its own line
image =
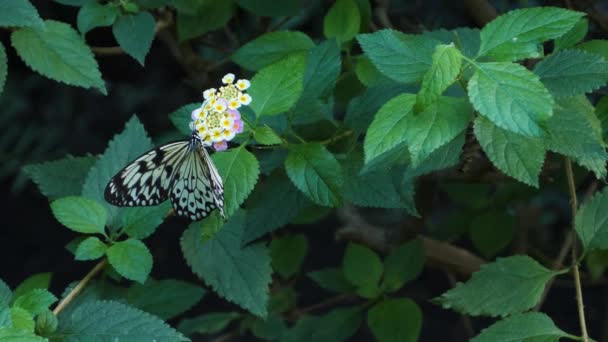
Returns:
<point x="79" y="287"/>
<point x="322" y="304"/>
<point x="225" y="337"/>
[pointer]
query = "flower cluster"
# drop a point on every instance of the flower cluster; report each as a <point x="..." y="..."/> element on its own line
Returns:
<point x="218" y="120"/>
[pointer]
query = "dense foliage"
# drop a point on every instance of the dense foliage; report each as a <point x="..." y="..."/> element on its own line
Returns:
<point x="449" y="135"/>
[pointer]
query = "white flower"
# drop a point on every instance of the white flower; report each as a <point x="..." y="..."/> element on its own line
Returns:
<point x="196" y="114"/>
<point x="243" y="84"/>
<point x="209" y="93"/>
<point x="244" y="99"/>
<point x="228" y="78"/>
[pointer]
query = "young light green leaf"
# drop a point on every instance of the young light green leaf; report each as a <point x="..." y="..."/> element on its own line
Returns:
<point x="508" y="286"/>
<point x="208" y="16"/>
<point x="271" y="8"/>
<point x="131" y="259"/>
<point x="266" y="136"/>
<point x="22" y="320"/>
<point x="19" y="13"/>
<point x="181" y="117"/>
<point x="404" y="263"/>
<point x="94" y="14"/>
<point x="510" y="36"/>
<point x="516" y="155"/>
<point x="402" y="58"/>
<point x="36" y="281"/>
<point x="210" y="323"/>
<point x="59" y="53"/>
<point x="80" y="214"/>
<point x="363" y="268"/>
<point x="90" y="248"/>
<point x="113" y="321"/>
<point x="240" y="170"/>
<point x="572" y="72"/>
<point x="270" y="48"/>
<point x="141" y="222"/>
<point x="277" y="87"/>
<point x="12" y="335"/>
<point x="331" y="279"/>
<point x="134" y="34"/>
<point x="62" y="177"/>
<point x="164" y="298"/>
<point x="530" y="326"/>
<point x="575" y="35"/>
<point x="443" y="72"/>
<point x="591" y="222"/>
<point x="510" y="96"/>
<point x="342" y="21"/>
<point x="35" y="301"/>
<point x="239" y="274"/>
<point x="122" y="149"/>
<point x="315" y="172"/>
<point x="492" y="231"/>
<point x="288" y="253"/>
<point x="395" y="320"/>
<point x="336" y="326"/>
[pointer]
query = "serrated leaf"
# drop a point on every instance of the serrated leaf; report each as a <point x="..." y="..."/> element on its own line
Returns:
<point x="315" y="172"/>
<point x="288" y="253"/>
<point x="210" y="323"/>
<point x="342" y="21"/>
<point x="443" y="72"/>
<point x="362" y="267"/>
<point x="207" y="16"/>
<point x="62" y="177"/>
<point x="35" y="281"/>
<point x="596" y="46"/>
<point x="58" y="52"/>
<point x="516" y="155"/>
<point x="266" y="136"/>
<point x="402" y="58"/>
<point x="572" y="72"/>
<point x="80" y="214"/>
<point x="35" y="301"/>
<point x="531" y="326"/>
<point x="337" y="325"/>
<point x="131" y="259"/>
<point x="404" y="263"/>
<point x="510" y="36"/>
<point x="277" y="87"/>
<point x="93" y="15"/>
<point x="270" y="48"/>
<point x="271" y="329"/>
<point x="181" y="117"/>
<point x="331" y="279"/>
<point x="369" y="75"/>
<point x="395" y="320"/>
<point x="444" y="157"/>
<point x="575" y="35"/>
<point x="491" y="232"/>
<point x="5" y="317"/>
<point x="10" y="335"/>
<point x="113" y="321"/>
<point x="510" y="96"/>
<point x="591" y="222"/>
<point x="240" y="170"/>
<point x="5" y="294"/>
<point x="132" y="142"/>
<point x="22" y="320"/>
<point x="164" y="298"/>
<point x="141" y="222"/>
<point x="3" y="67"/>
<point x="271" y="8"/>
<point x="508" y="286"/>
<point x="134" y="34"/>
<point x="90" y="248"/>
<point x="19" y="13"/>
<point x="466" y="39"/>
<point x="239" y="274"/>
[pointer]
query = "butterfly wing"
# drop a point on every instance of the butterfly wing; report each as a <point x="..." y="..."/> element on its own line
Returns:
<point x="147" y="180"/>
<point x="197" y="186"/>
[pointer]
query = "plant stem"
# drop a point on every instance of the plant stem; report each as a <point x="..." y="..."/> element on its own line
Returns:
<point x="577" y="277"/>
<point x="79" y="287"/>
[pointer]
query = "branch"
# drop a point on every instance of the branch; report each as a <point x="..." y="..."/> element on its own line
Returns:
<point x="79" y="287"/>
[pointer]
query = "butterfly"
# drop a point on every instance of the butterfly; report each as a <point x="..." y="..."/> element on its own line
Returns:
<point x="181" y="171"/>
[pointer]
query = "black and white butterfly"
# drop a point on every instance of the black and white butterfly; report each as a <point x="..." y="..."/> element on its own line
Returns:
<point x="180" y="170"/>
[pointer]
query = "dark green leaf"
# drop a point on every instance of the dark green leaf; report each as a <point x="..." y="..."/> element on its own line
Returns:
<point x="131" y="259"/>
<point x="395" y="320"/>
<point x="491" y="232"/>
<point x="210" y="323"/>
<point x="134" y="34"/>
<point x="531" y="326"/>
<point x="90" y="248"/>
<point x="181" y="117"/>
<point x="271" y="8"/>
<point x="5" y="294"/>
<point x="575" y="35"/>
<point x="331" y="279"/>
<point x="240" y="170"/>
<point x="62" y="177"/>
<point x="270" y="48"/>
<point x="362" y="267"/>
<point x="404" y="263"/>
<point x="3" y="67"/>
<point x="337" y="325"/>
<point x="93" y="15"/>
<point x="19" y="13"/>
<point x="288" y="253"/>
<point x="591" y="222"/>
<point x="208" y="16"/>
<point x="164" y="298"/>
<point x="80" y="214"/>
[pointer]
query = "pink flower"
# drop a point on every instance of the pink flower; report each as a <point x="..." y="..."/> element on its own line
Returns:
<point x="235" y="114"/>
<point x="238" y="126"/>
<point x="220" y="146"/>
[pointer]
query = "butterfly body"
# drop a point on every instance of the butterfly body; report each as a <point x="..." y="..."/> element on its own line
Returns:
<point x="181" y="171"/>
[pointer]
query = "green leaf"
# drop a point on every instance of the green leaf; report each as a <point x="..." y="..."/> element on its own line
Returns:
<point x="80" y="214"/>
<point x="62" y="177"/>
<point x="403" y="58"/>
<point x="596" y="46"/>
<point x="113" y="321"/>
<point x="277" y="87"/>
<point x="210" y="323"/>
<point x="315" y="172"/>
<point x="271" y="329"/>
<point x="491" y="232"/>
<point x="3" y="67"/>
<point x="208" y="16"/>
<point x="93" y="15"/>
<point x="395" y="320"/>
<point x="10" y="335"/>
<point x="271" y="47"/>
<point x="36" y="281"/>
<point x="342" y="21"/>
<point x="59" y="53"/>
<point x="403" y="264"/>
<point x="510" y="96"/>
<point x="141" y="222"/>
<point x="271" y="8"/>
<point x="90" y="249"/>
<point x="5" y="294"/>
<point x="444" y="157"/>
<point x="362" y="268"/>
<point x="239" y="274"/>
<point x="369" y="75"/>
<point x="331" y="279"/>
<point x="466" y="39"/>
<point x="22" y="320"/>
<point x="240" y="170"/>
<point x="46" y="323"/>
<point x="131" y="259"/>
<point x="134" y="34"/>
<point x="531" y="326"/>
<point x="288" y="253"/>
<point x="337" y="325"/>
<point x="443" y="72"/>
<point x="5" y="317"/>
<point x="181" y="117"/>
<point x="35" y="301"/>
<point x="122" y="149"/>
<point x="19" y="13"/>
<point x="266" y="136"/>
<point x="572" y="72"/>
<point x="508" y="286"/>
<point x="164" y="298"/>
<point x="518" y="156"/>
<point x="575" y="35"/>
<point x="510" y="36"/>
<point x="591" y="222"/>
<point x="74" y="2"/>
